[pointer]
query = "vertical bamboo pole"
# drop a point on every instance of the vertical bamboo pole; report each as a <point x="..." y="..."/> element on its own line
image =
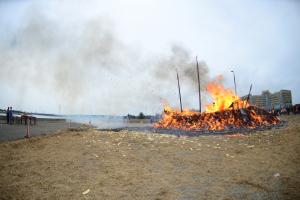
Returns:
<point x="179" y="91"/>
<point x="249" y="95"/>
<point x="199" y="89"/>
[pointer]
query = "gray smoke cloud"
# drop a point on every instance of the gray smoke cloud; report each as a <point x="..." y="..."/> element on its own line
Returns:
<point x="163" y="73"/>
<point x="181" y="60"/>
<point x="84" y="68"/>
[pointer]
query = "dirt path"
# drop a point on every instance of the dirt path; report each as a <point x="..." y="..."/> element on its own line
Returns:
<point x="133" y="165"/>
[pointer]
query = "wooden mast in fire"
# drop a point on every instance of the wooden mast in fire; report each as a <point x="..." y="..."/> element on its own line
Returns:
<point x="248" y="97"/>
<point x="199" y="89"/>
<point x="179" y="91"/>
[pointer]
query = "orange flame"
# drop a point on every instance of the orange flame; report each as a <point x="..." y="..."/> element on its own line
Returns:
<point x="227" y="112"/>
<point x="222" y="97"/>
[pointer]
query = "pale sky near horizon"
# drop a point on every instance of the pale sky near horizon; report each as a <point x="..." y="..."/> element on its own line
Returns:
<point x="101" y="57"/>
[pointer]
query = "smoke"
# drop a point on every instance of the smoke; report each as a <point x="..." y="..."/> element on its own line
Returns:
<point x="84" y="68"/>
<point x="180" y="60"/>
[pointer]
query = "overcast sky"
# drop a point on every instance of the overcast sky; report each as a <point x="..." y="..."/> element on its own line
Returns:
<point x="119" y="57"/>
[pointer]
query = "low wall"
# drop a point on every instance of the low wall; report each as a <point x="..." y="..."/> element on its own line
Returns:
<point x="142" y="121"/>
<point x="17" y="119"/>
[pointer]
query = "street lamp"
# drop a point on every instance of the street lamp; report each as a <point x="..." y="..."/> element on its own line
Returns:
<point x="234" y="82"/>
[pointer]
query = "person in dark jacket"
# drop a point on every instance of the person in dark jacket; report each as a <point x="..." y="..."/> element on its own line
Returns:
<point x="7" y="115"/>
<point x="10" y="116"/>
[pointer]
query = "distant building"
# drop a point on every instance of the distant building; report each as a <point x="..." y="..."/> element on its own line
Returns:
<point x="268" y="101"/>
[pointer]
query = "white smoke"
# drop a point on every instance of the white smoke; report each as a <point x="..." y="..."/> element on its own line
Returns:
<point x="83" y="67"/>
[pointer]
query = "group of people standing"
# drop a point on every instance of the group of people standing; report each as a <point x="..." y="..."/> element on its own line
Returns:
<point x="9" y="115"/>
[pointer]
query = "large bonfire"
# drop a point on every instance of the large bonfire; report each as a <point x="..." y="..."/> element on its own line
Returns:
<point x="226" y="112"/>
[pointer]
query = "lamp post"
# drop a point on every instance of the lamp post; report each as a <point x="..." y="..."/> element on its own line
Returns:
<point x="234" y="82"/>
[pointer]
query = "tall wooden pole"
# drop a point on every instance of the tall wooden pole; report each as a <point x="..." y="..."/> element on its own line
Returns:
<point x="247" y="101"/>
<point x="179" y="91"/>
<point x="234" y="82"/>
<point x="199" y="89"/>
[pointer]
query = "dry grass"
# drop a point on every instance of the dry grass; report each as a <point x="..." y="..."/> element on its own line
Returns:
<point x="132" y="165"/>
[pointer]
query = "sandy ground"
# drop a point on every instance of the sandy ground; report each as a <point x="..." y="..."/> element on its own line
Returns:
<point x="91" y="164"/>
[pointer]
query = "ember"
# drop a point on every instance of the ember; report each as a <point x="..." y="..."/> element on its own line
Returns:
<point x="226" y="113"/>
<point x="250" y="117"/>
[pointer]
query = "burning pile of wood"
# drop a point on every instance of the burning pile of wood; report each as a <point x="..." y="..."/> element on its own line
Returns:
<point x="227" y="112"/>
<point x="250" y="117"/>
